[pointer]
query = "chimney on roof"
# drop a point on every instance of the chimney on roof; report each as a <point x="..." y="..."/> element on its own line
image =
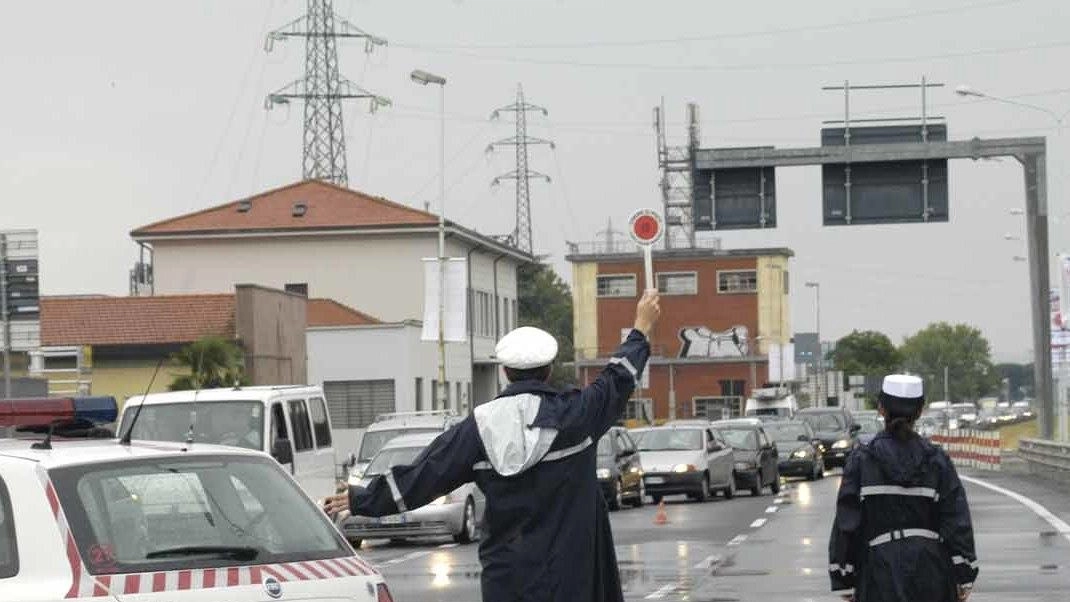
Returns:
<point x="299" y="209"/>
<point x="245" y="206"/>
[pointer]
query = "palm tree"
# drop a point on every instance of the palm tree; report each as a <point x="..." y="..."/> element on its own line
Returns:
<point x="212" y="362"/>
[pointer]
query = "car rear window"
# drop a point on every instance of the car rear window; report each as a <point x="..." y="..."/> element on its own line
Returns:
<point x="152" y="515"/>
<point x="374" y="441"/>
<point x="235" y="423"/>
<point x="9" y="552"/>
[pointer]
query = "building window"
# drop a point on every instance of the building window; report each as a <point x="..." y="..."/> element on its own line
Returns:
<point x="732" y="388"/>
<point x="639" y="409"/>
<point x="717" y="408"/>
<point x="297" y="288"/>
<point x="677" y="283"/>
<point x="354" y="404"/>
<point x="419" y="394"/>
<point x="616" y="285"/>
<point x="434" y="394"/>
<point x="737" y="281"/>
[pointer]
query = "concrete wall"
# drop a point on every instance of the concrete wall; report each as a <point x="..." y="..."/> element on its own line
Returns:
<point x="378" y="274"/>
<point x="387" y="351"/>
<point x="271" y="327"/>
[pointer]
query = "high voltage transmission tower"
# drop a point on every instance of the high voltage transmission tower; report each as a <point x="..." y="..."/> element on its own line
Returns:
<point x="677" y="165"/>
<point x="322" y="88"/>
<point x="521" y="237"/>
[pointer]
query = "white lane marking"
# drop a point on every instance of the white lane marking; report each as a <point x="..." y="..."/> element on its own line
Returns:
<point x="758" y="523"/>
<point x="778" y="501"/>
<point x="772" y="509"/>
<point x="1059" y="524"/>
<point x="447" y="546"/>
<point x="662" y="592"/>
<point x="706" y="563"/>
<point x="415" y="555"/>
<point x="738" y="539"/>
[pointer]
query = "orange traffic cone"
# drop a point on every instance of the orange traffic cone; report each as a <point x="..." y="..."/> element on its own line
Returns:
<point x="661" y="518"/>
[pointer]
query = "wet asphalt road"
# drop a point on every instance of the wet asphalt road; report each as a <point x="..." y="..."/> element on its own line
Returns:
<point x="769" y="548"/>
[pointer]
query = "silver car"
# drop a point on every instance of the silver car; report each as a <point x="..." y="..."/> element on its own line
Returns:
<point x="457" y="514"/>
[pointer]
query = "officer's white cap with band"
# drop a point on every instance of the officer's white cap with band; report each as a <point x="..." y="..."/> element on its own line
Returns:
<point x="902" y="394"/>
<point x="526" y="348"/>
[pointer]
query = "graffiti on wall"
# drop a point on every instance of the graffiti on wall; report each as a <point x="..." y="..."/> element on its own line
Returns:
<point x="700" y="341"/>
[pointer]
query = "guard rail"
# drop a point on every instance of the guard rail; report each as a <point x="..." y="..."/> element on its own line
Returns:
<point x="1047" y="455"/>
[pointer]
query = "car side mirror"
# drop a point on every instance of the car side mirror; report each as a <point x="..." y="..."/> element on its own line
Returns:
<point x="802" y="438"/>
<point x="714" y="447"/>
<point x="855" y="428"/>
<point x="282" y="452"/>
<point x="349" y="462"/>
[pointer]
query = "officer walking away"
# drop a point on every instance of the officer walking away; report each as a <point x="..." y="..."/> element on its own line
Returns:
<point x="532" y="451"/>
<point x="902" y="531"/>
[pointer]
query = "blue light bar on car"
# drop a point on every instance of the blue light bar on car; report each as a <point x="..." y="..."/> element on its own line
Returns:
<point x="47" y="411"/>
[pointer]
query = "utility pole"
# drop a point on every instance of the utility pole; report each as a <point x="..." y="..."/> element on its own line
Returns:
<point x="609" y="236"/>
<point x="322" y="88"/>
<point x="947" y="395"/>
<point x="521" y="237"/>
<point x="5" y="315"/>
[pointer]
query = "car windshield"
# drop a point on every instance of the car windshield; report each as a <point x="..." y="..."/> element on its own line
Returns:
<point x="138" y="516"/>
<point x="786" y="433"/>
<point x="870" y="424"/>
<point x="389" y="458"/>
<point x="670" y="439"/>
<point x="823" y="422"/>
<point x="234" y="423"/>
<point x="374" y="441"/>
<point x="605" y="445"/>
<point x="741" y="438"/>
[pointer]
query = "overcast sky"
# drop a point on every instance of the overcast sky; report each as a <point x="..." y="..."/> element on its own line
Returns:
<point x="117" y="113"/>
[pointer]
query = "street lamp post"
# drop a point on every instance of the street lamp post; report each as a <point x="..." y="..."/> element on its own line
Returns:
<point x="425" y="78"/>
<point x="819" y="389"/>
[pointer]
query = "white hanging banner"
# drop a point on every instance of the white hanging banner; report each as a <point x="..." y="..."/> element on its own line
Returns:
<point x="456" y="309"/>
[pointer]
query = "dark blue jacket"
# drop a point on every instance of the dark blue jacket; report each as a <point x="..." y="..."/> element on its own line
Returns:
<point x="902" y="531"/>
<point x="547" y="536"/>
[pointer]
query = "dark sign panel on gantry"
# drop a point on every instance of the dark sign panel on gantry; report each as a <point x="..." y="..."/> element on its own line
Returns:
<point x="735" y="199"/>
<point x="891" y="192"/>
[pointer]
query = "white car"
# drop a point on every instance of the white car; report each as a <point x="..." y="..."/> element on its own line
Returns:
<point x="106" y="519"/>
<point x="457" y="514"/>
<point x="290" y="422"/>
<point x="689" y="459"/>
<point x="387" y="426"/>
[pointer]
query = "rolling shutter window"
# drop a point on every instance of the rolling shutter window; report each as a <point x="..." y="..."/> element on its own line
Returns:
<point x="355" y="403"/>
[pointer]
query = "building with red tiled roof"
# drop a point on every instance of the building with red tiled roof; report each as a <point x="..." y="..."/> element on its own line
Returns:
<point x="330" y="242"/>
<point x="119" y="321"/>
<point x="328" y="312"/>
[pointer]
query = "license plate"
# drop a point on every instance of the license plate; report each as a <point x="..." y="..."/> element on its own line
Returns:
<point x="396" y="519"/>
<point x="655" y="480"/>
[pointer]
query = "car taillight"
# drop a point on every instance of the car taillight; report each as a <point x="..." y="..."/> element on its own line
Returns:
<point x="384" y="594"/>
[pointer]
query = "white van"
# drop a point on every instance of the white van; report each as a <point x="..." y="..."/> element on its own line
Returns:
<point x="774" y="402"/>
<point x="391" y="425"/>
<point x="289" y="422"/>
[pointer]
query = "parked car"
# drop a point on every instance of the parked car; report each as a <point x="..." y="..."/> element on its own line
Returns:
<point x="756" y="456"/>
<point x="457" y="514"/>
<point x="390" y="425"/>
<point x="836" y="429"/>
<point x="927" y="425"/>
<point x="870" y="424"/>
<point x="965" y="413"/>
<point x="691" y="460"/>
<point x="620" y="469"/>
<point x="1023" y="410"/>
<point x="799" y="455"/>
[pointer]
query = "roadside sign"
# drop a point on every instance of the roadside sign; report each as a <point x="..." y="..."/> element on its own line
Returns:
<point x="647" y="228"/>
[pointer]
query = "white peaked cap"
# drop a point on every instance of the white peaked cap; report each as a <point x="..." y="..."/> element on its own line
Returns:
<point x="526" y="348"/>
<point x="903" y="386"/>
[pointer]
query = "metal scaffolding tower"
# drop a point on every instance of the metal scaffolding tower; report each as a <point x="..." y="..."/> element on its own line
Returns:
<point x="322" y="88"/>
<point x="521" y="237"/>
<point x="677" y="166"/>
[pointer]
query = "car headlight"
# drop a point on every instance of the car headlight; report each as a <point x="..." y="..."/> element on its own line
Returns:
<point x="842" y="444"/>
<point x="603" y="473"/>
<point x="800" y="454"/>
<point x="354" y="479"/>
<point x="446" y="499"/>
<point x="821" y="447"/>
<point x="745" y="466"/>
<point x="684" y="468"/>
<point x="635" y="470"/>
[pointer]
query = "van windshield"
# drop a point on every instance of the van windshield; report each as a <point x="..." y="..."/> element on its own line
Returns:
<point x="234" y="423"/>
<point x="374" y="441"/>
<point x="160" y="514"/>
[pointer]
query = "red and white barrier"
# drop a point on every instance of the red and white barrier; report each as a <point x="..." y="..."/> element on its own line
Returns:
<point x="970" y="448"/>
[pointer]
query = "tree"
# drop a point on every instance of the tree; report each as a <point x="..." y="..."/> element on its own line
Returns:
<point x="545" y="302"/>
<point x="963" y="350"/>
<point x="866" y="352"/>
<point x="212" y="362"/>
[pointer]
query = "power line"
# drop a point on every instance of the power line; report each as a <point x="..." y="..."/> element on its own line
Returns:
<point x="757" y="67"/>
<point x="719" y="37"/>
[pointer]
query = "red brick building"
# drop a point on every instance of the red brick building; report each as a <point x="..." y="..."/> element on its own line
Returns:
<point x="721" y="312"/>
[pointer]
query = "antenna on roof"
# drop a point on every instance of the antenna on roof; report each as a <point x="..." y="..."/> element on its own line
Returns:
<point x="125" y="440"/>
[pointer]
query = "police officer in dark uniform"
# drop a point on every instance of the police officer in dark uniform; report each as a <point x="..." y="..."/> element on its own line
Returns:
<point x="532" y="451"/>
<point x="902" y="531"/>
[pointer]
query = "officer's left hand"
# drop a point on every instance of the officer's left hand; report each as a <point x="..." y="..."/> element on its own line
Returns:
<point x="336" y="503"/>
<point x="848" y="597"/>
